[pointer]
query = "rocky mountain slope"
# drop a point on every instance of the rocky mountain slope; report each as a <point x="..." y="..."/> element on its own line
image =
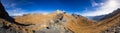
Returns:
<point x="58" y="22"/>
<point x="113" y="19"/>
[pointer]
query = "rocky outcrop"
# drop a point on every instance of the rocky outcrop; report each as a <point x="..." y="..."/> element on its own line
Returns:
<point x="57" y="25"/>
<point x="113" y="29"/>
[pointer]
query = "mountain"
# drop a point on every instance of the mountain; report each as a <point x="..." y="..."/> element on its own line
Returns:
<point x="58" y="22"/>
<point x="113" y="20"/>
<point x="96" y="18"/>
<point x="111" y="14"/>
<point x="106" y="16"/>
<point x="73" y="22"/>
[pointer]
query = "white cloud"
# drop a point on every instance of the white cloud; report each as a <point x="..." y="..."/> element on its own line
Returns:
<point x="94" y="3"/>
<point x="15" y="11"/>
<point x="12" y="9"/>
<point x="20" y="12"/>
<point x="107" y="7"/>
<point x="40" y="12"/>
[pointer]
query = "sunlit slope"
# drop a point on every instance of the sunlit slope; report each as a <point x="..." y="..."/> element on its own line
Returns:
<point x="76" y="23"/>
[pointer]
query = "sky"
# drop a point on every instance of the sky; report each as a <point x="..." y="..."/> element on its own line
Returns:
<point x="81" y="7"/>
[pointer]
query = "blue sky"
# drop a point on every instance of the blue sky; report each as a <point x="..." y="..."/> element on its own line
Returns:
<point x="82" y="7"/>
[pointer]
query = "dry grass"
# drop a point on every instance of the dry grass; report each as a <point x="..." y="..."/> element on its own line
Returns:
<point x="89" y="26"/>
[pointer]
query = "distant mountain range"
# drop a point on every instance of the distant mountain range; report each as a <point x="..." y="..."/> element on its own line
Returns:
<point x="102" y="17"/>
<point x="97" y="18"/>
<point x="59" y="22"/>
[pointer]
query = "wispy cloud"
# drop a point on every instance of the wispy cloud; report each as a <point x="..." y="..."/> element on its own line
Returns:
<point x="20" y="12"/>
<point x="105" y="8"/>
<point x="13" y="10"/>
<point x="94" y="3"/>
<point x="16" y="12"/>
